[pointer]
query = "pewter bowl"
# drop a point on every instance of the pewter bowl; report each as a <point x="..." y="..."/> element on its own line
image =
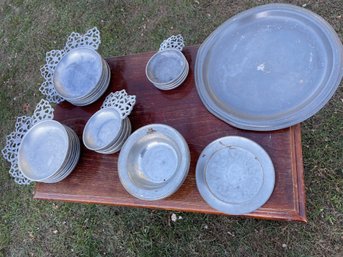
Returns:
<point x="102" y="129"/>
<point x="153" y="162"/>
<point x="44" y="150"/>
<point x="166" y="67"/>
<point x="78" y="73"/>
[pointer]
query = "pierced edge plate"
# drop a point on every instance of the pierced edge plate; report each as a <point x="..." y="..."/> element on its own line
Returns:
<point x="260" y="198"/>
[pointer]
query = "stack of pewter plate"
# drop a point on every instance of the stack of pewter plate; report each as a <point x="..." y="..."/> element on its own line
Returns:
<point x="167" y="69"/>
<point x="82" y="76"/>
<point x="48" y="152"/>
<point x="106" y="132"/>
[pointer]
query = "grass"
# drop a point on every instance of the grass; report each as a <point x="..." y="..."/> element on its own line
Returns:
<point x="39" y="228"/>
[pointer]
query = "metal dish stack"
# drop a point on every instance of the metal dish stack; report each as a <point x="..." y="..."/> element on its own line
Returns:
<point x="48" y="152"/>
<point x="82" y="76"/>
<point x="167" y="69"/>
<point x="106" y="131"/>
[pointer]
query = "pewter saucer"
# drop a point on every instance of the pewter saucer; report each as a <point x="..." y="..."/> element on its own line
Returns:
<point x="235" y="175"/>
<point x="153" y="162"/>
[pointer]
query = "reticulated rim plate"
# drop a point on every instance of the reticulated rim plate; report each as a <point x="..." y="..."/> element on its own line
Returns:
<point x="235" y="175"/>
<point x="269" y="67"/>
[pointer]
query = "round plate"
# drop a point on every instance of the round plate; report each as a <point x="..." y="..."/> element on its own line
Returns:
<point x="165" y="67"/>
<point x="102" y="129"/>
<point x="153" y="162"/>
<point x="43" y="150"/>
<point x="269" y="67"/>
<point x="235" y="175"/>
<point x="78" y="73"/>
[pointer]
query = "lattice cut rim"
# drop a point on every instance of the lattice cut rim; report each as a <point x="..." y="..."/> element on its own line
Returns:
<point x="120" y="101"/>
<point x="173" y="42"/>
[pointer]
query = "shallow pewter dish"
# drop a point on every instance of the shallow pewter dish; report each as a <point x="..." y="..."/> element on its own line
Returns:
<point x="269" y="67"/>
<point x="153" y="162"/>
<point x="102" y="129"/>
<point x="235" y="175"/>
<point x="78" y="73"/>
<point x="43" y="150"/>
<point x="165" y="67"/>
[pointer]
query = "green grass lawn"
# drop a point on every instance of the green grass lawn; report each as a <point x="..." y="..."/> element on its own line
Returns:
<point x="38" y="228"/>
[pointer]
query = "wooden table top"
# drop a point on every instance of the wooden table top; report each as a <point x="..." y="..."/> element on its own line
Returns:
<point x="95" y="179"/>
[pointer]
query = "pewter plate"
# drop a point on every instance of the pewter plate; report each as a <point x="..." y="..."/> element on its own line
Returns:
<point x="78" y="73"/>
<point x="165" y="67"/>
<point x="235" y="175"/>
<point x="43" y="150"/>
<point x="269" y="67"/>
<point x="153" y="162"/>
<point x="102" y="129"/>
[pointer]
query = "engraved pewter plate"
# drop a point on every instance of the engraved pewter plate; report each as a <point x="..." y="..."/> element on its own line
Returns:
<point x="235" y="175"/>
<point x="269" y="67"/>
<point x="153" y="162"/>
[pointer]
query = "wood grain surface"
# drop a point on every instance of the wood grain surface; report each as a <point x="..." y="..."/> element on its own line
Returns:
<point x="95" y="179"/>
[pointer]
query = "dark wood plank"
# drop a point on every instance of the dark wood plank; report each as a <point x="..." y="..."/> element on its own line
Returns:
<point x="95" y="179"/>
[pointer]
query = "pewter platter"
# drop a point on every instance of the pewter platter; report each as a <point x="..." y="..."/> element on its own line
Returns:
<point x="269" y="67"/>
<point x="153" y="162"/>
<point x="235" y="175"/>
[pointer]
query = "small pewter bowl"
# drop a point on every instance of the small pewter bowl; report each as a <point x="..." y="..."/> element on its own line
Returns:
<point x="44" y="149"/>
<point x="153" y="162"/>
<point x="78" y="73"/>
<point x="166" y="67"/>
<point x="102" y="129"/>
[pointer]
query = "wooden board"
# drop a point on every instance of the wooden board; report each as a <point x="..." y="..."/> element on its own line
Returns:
<point x="95" y="179"/>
